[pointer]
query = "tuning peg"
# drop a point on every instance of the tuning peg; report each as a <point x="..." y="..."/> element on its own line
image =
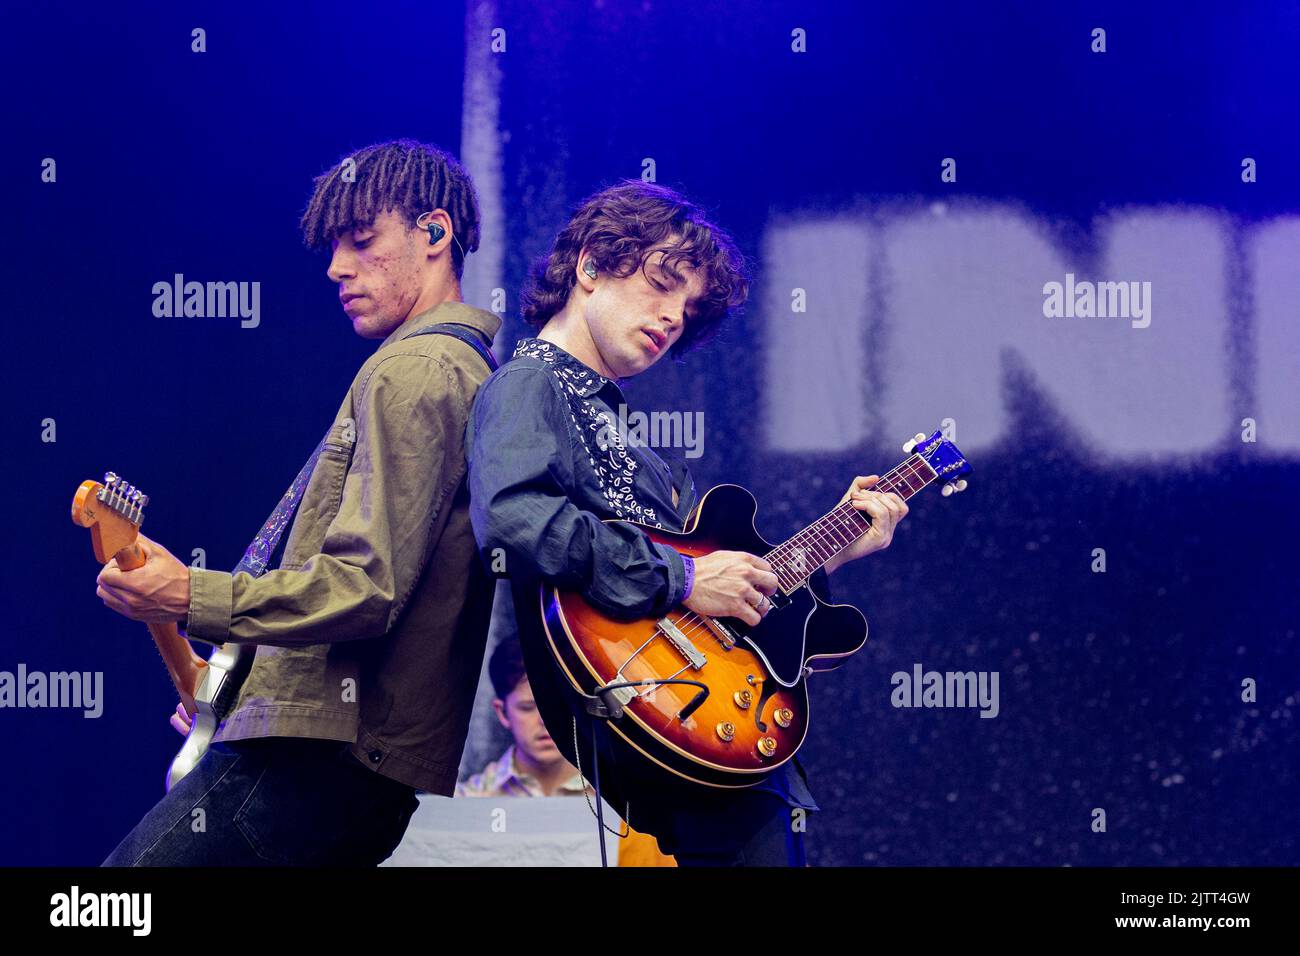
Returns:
<point x="952" y="487"/>
<point x="916" y="440"/>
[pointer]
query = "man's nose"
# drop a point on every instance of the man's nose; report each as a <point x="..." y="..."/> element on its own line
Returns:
<point x="340" y="266"/>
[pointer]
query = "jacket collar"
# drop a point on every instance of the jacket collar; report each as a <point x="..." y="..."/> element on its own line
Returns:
<point x="485" y="322"/>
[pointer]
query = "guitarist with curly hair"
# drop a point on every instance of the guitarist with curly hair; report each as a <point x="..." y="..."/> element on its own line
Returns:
<point x="637" y="272"/>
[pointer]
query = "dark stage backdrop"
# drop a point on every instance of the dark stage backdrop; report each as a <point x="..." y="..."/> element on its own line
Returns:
<point x="908" y="183"/>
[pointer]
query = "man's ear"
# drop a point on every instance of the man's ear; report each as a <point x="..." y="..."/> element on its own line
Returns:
<point x="442" y="219"/>
<point x="583" y="269"/>
<point x="499" y="706"/>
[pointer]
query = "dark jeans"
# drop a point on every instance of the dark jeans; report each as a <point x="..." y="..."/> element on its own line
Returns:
<point x="276" y="801"/>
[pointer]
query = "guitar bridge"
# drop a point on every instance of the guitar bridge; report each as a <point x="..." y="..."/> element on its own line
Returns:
<point x="683" y="643"/>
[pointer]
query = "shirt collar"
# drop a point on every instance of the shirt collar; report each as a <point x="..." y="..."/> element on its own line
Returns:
<point x="586" y="380"/>
<point x="485" y="322"/>
<point x="506" y="771"/>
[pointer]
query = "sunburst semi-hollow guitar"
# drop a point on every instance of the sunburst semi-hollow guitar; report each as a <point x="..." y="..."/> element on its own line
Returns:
<point x="715" y="700"/>
<point x="113" y="511"/>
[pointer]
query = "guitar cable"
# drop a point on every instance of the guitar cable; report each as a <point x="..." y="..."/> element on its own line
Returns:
<point x="596" y="810"/>
<point x="601" y="704"/>
<point x="609" y="708"/>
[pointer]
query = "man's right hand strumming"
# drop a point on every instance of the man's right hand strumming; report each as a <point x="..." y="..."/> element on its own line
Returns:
<point x="732" y="584"/>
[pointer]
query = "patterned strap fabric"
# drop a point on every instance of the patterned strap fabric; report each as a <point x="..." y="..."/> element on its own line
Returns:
<point x="258" y="554"/>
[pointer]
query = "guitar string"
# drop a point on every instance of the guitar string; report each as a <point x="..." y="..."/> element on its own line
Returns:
<point x="822" y="534"/>
<point x="909" y="468"/>
<point x="825" y="534"/>
<point x="694" y="622"/>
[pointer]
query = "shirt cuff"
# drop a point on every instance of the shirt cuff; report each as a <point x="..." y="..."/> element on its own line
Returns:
<point x="689" y="564"/>
<point x="676" y="575"/>
<point x="211" y="601"/>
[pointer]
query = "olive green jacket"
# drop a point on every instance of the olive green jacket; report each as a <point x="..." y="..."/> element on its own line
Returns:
<point x="372" y="628"/>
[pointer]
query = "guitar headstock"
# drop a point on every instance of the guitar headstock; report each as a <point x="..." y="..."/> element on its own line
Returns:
<point x="949" y="464"/>
<point x="113" y="511"/>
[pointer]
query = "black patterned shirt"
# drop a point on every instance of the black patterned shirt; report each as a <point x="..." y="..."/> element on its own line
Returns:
<point x="547" y="465"/>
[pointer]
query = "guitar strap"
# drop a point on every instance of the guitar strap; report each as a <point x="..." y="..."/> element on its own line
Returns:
<point x="467" y="334"/>
<point x="258" y="553"/>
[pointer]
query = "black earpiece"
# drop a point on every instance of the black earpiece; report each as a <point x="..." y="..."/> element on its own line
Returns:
<point x="436" y="232"/>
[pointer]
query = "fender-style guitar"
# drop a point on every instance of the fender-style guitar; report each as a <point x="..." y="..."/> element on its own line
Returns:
<point x="113" y="511"/>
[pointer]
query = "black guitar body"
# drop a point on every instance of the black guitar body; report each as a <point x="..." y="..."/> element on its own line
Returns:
<point x="803" y="629"/>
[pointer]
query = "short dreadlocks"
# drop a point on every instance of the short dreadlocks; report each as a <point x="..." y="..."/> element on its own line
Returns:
<point x="410" y="177"/>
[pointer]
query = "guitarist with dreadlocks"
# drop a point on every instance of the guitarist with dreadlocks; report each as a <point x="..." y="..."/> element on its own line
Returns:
<point x="370" y="633"/>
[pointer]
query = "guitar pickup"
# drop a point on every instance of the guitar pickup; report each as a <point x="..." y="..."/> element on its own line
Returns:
<point x="682" y="643"/>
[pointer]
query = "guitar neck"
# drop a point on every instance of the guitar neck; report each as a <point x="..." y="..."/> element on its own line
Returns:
<point x="184" y="667"/>
<point x="800" y="556"/>
<point x="113" y="512"/>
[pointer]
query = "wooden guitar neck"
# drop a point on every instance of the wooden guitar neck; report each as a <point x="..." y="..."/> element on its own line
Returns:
<point x="113" y="512"/>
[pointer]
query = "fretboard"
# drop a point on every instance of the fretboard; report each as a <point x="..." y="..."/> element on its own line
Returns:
<point x="799" y="556"/>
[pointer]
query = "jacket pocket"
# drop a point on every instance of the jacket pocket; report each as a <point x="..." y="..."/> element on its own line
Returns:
<point x="341" y="439"/>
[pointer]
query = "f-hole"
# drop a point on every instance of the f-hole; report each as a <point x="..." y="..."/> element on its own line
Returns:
<point x="769" y="688"/>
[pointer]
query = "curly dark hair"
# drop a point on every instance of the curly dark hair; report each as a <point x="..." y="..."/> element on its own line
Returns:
<point x="404" y="175"/>
<point x="619" y="227"/>
<point x="506" y="667"/>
